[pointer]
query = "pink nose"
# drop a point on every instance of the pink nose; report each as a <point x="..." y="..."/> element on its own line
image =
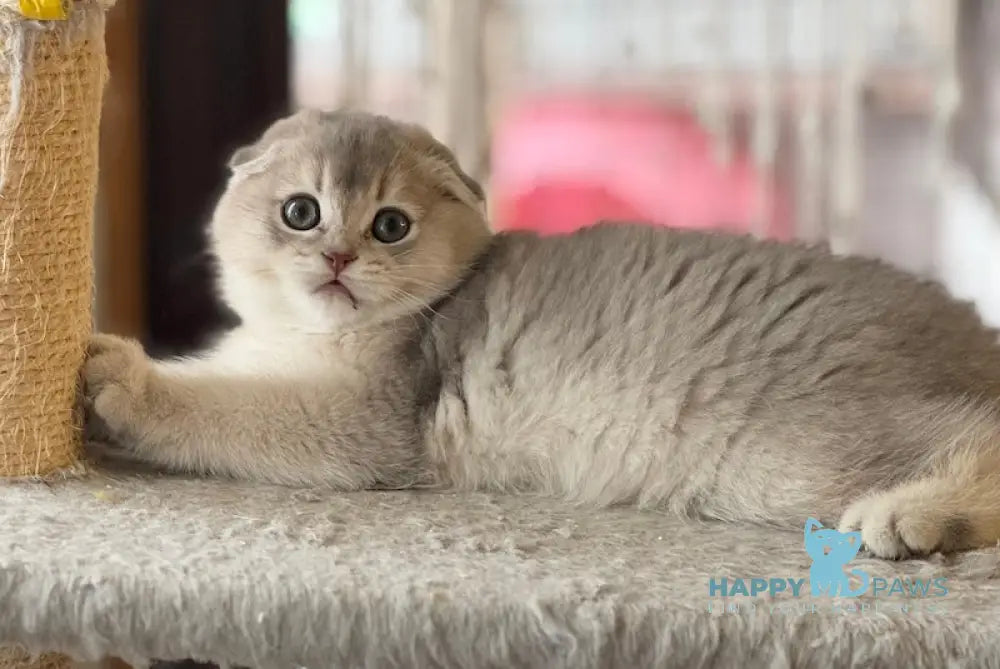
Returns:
<point x="339" y="261"/>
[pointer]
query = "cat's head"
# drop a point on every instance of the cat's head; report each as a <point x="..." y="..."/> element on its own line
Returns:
<point x="334" y="220"/>
<point x="827" y="544"/>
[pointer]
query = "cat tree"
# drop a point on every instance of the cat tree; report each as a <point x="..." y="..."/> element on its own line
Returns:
<point x="52" y="74"/>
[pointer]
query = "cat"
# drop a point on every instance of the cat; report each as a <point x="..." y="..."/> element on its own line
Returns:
<point x="830" y="551"/>
<point x="389" y="339"/>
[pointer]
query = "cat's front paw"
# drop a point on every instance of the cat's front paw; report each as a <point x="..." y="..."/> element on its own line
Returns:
<point x="115" y="376"/>
<point x="896" y="525"/>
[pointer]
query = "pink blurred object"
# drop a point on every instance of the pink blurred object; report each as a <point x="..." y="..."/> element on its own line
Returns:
<point x="563" y="163"/>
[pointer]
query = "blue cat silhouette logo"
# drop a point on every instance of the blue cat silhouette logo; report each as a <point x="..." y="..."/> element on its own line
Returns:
<point x="830" y="551"/>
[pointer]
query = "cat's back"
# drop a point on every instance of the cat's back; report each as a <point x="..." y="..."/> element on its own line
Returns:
<point x="632" y="296"/>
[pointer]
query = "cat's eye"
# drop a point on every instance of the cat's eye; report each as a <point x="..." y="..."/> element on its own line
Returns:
<point x="390" y="226"/>
<point x="300" y="212"/>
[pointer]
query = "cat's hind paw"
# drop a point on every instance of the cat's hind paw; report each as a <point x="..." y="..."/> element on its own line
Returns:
<point x="900" y="524"/>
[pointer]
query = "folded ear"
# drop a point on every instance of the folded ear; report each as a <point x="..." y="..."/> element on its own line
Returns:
<point x="242" y="156"/>
<point x="423" y="140"/>
<point x="256" y="156"/>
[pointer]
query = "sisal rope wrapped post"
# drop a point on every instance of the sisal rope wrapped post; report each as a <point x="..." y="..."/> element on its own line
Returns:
<point x="12" y="657"/>
<point x="52" y="74"/>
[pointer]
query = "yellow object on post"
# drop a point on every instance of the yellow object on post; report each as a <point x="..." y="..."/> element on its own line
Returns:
<point x="44" y="10"/>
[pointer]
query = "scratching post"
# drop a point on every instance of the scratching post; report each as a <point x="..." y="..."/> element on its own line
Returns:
<point x="12" y="657"/>
<point x="52" y="74"/>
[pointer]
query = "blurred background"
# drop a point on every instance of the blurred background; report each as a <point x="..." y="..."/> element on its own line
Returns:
<point x="871" y="126"/>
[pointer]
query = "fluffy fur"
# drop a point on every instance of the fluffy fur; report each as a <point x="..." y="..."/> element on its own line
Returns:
<point x="710" y="375"/>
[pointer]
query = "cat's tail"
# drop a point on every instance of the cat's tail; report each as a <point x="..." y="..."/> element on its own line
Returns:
<point x="856" y="592"/>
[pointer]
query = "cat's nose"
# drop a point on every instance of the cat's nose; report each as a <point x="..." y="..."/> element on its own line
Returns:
<point x="338" y="261"/>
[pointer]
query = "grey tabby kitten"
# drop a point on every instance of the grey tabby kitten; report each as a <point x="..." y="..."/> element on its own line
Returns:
<point x="389" y="340"/>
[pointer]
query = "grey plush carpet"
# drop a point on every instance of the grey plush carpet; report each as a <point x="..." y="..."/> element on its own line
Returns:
<point x="153" y="567"/>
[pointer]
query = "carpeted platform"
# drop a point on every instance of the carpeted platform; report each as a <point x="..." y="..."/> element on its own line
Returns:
<point x="153" y="567"/>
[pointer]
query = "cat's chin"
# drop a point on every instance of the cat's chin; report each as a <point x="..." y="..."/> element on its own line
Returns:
<point x="329" y="309"/>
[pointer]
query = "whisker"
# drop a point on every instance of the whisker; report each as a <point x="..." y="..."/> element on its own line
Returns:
<point x="436" y="288"/>
<point x="406" y="299"/>
<point x="433" y="285"/>
<point x="396" y="281"/>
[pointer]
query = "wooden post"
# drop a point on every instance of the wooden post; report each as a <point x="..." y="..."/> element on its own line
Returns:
<point x="457" y="74"/>
<point x="119" y="239"/>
